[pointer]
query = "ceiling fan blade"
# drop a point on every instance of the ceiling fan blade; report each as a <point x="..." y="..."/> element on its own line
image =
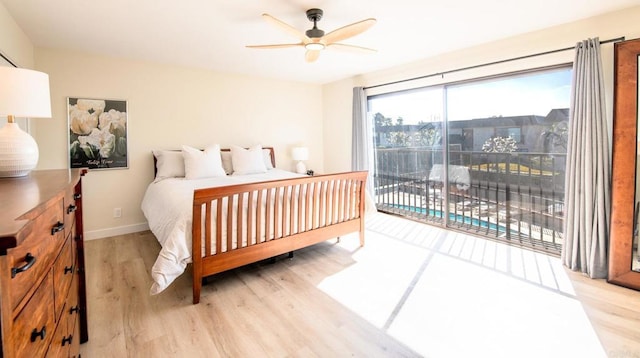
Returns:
<point x="286" y="27"/>
<point x="351" y="47"/>
<point x="275" y="45"/>
<point x="311" y="55"/>
<point x="348" y="31"/>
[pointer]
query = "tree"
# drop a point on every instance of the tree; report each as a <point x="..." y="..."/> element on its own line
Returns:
<point x="399" y="139"/>
<point x="428" y="135"/>
<point x="556" y="135"/>
<point x="500" y="145"/>
<point x="380" y="120"/>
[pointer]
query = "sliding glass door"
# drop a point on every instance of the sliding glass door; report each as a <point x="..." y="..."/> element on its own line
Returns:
<point x="483" y="156"/>
<point x="408" y="145"/>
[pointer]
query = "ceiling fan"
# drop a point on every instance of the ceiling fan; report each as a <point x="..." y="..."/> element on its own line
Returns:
<point x="314" y="40"/>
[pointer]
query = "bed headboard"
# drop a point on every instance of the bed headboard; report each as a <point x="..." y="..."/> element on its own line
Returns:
<point x="270" y="149"/>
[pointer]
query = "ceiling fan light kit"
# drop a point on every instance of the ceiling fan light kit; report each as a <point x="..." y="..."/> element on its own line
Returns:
<point x="314" y="40"/>
<point x="314" y="46"/>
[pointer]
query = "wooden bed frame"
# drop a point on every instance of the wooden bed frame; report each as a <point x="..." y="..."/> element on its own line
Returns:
<point x="295" y="213"/>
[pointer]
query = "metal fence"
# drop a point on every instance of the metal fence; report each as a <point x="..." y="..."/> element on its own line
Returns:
<point x="515" y="197"/>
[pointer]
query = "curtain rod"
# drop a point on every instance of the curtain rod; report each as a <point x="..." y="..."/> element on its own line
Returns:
<point x="488" y="64"/>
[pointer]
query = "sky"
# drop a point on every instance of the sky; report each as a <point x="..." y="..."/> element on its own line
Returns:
<point x="527" y="94"/>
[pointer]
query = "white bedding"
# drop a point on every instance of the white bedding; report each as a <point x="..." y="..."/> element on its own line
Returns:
<point x="167" y="205"/>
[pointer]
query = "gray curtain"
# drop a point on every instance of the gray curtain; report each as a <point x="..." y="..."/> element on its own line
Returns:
<point x="361" y="143"/>
<point x="587" y="185"/>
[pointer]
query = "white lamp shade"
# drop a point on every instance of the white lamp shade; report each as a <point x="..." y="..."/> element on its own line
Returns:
<point x="23" y="93"/>
<point x="300" y="153"/>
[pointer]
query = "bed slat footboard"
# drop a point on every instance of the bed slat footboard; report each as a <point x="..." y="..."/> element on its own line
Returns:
<point x="241" y="224"/>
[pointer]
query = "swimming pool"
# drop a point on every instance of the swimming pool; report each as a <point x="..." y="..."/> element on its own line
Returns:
<point x="452" y="217"/>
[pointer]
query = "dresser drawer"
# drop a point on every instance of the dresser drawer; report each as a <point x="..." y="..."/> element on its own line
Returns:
<point x="72" y="310"/>
<point x="34" y="257"/>
<point x="60" y="343"/>
<point x="70" y="208"/>
<point x="72" y="313"/>
<point x="66" y="341"/>
<point x="33" y="327"/>
<point x="75" y="343"/>
<point x="63" y="271"/>
<point x="73" y="238"/>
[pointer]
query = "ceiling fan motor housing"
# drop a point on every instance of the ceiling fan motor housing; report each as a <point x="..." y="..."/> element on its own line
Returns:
<point x="314" y="33"/>
<point x="314" y="15"/>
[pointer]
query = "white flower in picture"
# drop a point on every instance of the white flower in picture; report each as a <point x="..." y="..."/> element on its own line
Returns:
<point x="100" y="141"/>
<point x="114" y="121"/>
<point x="91" y="105"/>
<point x="81" y="121"/>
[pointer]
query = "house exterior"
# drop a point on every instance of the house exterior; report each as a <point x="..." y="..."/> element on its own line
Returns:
<point x="529" y="132"/>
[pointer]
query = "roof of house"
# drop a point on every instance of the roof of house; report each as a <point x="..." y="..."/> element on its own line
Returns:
<point x="554" y="116"/>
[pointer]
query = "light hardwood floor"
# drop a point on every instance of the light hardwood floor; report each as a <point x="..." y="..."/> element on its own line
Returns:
<point x="413" y="290"/>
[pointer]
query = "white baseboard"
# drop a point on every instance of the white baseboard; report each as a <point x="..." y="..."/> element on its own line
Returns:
<point x="115" y="231"/>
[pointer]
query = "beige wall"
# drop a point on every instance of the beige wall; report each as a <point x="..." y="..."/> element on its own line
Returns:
<point x="337" y="95"/>
<point x="338" y="100"/>
<point x="14" y="43"/>
<point x="170" y="106"/>
<point x="17" y="47"/>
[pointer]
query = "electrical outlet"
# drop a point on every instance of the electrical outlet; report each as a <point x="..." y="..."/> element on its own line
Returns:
<point x="117" y="212"/>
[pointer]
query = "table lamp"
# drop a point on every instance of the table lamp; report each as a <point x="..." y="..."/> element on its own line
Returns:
<point x="23" y="93"/>
<point x="300" y="154"/>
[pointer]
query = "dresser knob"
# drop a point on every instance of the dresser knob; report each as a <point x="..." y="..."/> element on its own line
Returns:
<point x="71" y="209"/>
<point x="68" y="269"/>
<point x="35" y="334"/>
<point x="74" y="309"/>
<point x="57" y="228"/>
<point x="29" y="259"/>
<point x="67" y="340"/>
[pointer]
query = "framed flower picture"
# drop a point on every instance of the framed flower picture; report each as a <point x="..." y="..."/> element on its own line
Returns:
<point x="97" y="133"/>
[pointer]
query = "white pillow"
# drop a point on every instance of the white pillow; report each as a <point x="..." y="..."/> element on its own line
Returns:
<point x="267" y="159"/>
<point x="226" y="161"/>
<point x="249" y="161"/>
<point x="202" y="164"/>
<point x="169" y="164"/>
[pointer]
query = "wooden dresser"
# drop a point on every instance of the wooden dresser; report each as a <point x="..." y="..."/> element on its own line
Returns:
<point x="42" y="279"/>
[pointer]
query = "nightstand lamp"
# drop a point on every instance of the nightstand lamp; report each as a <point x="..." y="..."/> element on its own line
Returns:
<point x="300" y="154"/>
<point x="23" y="93"/>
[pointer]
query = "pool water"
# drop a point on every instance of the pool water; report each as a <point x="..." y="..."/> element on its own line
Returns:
<point x="452" y="217"/>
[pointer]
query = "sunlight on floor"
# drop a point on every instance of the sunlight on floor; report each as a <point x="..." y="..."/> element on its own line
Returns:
<point x="448" y="294"/>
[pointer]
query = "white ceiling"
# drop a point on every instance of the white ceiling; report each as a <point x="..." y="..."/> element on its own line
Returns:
<point x="212" y="34"/>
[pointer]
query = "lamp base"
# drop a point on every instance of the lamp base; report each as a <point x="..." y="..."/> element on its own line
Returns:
<point x="18" y="152"/>
<point x="301" y="168"/>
